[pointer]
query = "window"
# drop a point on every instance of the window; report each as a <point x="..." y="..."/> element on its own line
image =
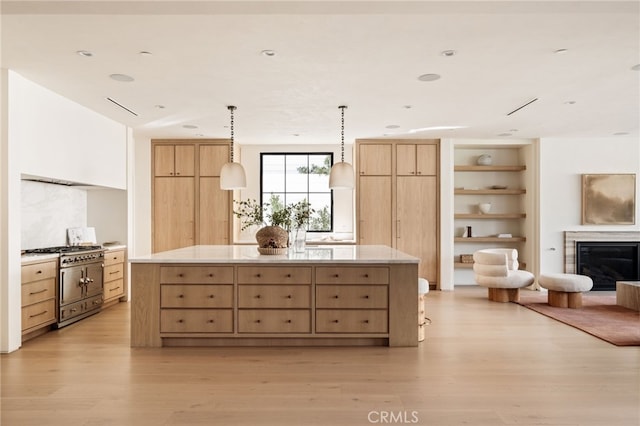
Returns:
<point x="287" y="178"/>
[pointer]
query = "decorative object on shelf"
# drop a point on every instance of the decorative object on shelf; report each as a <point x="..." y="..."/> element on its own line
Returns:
<point x="232" y="175"/>
<point x="608" y="199"/>
<point x="467" y="232"/>
<point x="466" y="258"/>
<point x="504" y="236"/>
<point x="484" y="160"/>
<point x="342" y="175"/>
<point x="484" y="208"/>
<point x="498" y="186"/>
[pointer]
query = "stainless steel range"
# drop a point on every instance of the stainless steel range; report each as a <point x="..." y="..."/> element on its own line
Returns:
<point x="80" y="286"/>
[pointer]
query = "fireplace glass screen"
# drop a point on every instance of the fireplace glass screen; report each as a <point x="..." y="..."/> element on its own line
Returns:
<point x="608" y="262"/>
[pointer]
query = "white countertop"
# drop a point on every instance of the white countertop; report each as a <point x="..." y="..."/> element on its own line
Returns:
<point x="249" y="254"/>
<point x="39" y="257"/>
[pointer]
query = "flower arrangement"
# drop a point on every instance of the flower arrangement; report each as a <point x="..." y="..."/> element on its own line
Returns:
<point x="290" y="216"/>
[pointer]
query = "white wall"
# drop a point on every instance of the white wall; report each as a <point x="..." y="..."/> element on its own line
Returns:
<point x="63" y="140"/>
<point x="140" y="197"/>
<point x="562" y="162"/>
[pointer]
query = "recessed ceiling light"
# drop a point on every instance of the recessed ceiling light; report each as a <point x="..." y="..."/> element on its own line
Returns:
<point x="513" y="130"/>
<point x="296" y="134"/>
<point x="145" y="53"/>
<point x="159" y="106"/>
<point x="429" y="77"/>
<point x="570" y="102"/>
<point x="448" y="53"/>
<point x="620" y="133"/>
<point x="84" y="53"/>
<point x="122" y="77"/>
<point x="504" y="134"/>
<point x="636" y="67"/>
<point x="190" y="126"/>
<point x="407" y="107"/>
<point x="560" y="51"/>
<point x="268" y="52"/>
<point x="392" y="126"/>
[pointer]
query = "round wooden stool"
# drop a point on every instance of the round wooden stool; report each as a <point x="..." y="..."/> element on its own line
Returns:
<point x="565" y="290"/>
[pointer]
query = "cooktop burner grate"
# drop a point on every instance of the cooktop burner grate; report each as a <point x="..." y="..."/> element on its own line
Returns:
<point x="61" y="249"/>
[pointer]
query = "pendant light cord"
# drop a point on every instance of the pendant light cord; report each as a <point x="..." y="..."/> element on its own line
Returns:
<point x="231" y="108"/>
<point x="342" y="107"/>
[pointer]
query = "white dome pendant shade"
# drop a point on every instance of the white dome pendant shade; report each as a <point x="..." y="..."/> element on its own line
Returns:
<point x="342" y="175"/>
<point x="232" y="175"/>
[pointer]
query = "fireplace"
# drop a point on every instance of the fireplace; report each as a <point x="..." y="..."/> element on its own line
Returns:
<point x="608" y="261"/>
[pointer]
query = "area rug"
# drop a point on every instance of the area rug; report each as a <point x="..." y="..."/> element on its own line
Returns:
<point x="599" y="316"/>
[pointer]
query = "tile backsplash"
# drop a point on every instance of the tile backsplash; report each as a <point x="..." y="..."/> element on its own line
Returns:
<point x="47" y="211"/>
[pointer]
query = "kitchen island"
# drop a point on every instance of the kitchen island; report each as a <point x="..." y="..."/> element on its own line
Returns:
<point x="234" y="296"/>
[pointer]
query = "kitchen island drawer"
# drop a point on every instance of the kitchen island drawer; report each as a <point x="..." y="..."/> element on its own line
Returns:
<point x="39" y="271"/>
<point x="196" y="321"/>
<point x="352" y="275"/>
<point x="37" y="291"/>
<point x="196" y="296"/>
<point x="196" y="275"/>
<point x="274" y="296"/>
<point x="351" y="321"/>
<point x="274" y="321"/>
<point x="352" y="296"/>
<point x="274" y="275"/>
<point x="39" y="314"/>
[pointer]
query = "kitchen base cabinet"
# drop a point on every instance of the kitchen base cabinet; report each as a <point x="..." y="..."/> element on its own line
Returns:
<point x="114" y="277"/>
<point x="296" y="303"/>
<point x="38" y="292"/>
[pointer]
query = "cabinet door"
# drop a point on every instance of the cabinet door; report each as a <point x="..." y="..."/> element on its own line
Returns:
<point x="163" y="160"/>
<point x="185" y="160"/>
<point x="416" y="224"/>
<point x="174" y="213"/>
<point x="426" y="160"/>
<point x="212" y="158"/>
<point x="405" y="160"/>
<point x="214" y="212"/>
<point x="374" y="210"/>
<point x="374" y="160"/>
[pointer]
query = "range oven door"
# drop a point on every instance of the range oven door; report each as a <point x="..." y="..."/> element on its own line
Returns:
<point x="93" y="279"/>
<point x="71" y="284"/>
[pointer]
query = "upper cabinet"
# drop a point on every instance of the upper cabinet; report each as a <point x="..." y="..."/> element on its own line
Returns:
<point x="174" y="160"/>
<point x="212" y="158"/>
<point x="416" y="160"/>
<point x="374" y="160"/>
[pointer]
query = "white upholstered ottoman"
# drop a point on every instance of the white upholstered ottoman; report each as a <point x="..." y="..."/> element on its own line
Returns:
<point x="565" y="290"/>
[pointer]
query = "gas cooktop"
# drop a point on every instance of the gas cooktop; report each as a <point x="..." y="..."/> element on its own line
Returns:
<point x="62" y="249"/>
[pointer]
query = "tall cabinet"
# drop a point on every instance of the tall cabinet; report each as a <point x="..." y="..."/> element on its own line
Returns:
<point x="397" y="198"/>
<point x="188" y="205"/>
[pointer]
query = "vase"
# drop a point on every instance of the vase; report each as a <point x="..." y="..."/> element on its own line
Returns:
<point x="484" y="207"/>
<point x="298" y="239"/>
<point x="484" y="160"/>
<point x="272" y="237"/>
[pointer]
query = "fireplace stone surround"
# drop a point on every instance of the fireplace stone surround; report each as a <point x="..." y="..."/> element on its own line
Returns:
<point x="571" y="238"/>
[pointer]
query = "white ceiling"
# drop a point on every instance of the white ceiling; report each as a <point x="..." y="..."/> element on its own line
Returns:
<point x="363" y="54"/>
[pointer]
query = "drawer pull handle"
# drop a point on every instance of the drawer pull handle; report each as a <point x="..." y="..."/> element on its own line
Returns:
<point x="336" y="275"/>
<point x="257" y="296"/>
<point x="288" y="275"/>
<point x="288" y="296"/>
<point x="181" y="275"/>
<point x="210" y="275"/>
<point x="181" y="296"/>
<point x="336" y="321"/>
<point x="366" y="321"/>
<point x="115" y="272"/>
<point x="336" y="296"/>
<point x="211" y="321"/>
<point x="37" y="292"/>
<point x="114" y="289"/>
<point x="212" y="296"/>
<point x="288" y="321"/>
<point x="257" y="321"/>
<point x="180" y="321"/>
<point x="258" y="275"/>
<point x="37" y="315"/>
<point x="366" y="275"/>
<point x="366" y="296"/>
<point x="74" y="310"/>
<point x="38" y="271"/>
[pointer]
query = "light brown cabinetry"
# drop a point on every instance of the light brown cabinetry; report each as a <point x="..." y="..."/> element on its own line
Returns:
<point x="196" y="299"/>
<point x="114" y="273"/>
<point x="257" y="304"/>
<point x="398" y="204"/>
<point x="38" y="291"/>
<point x="188" y="205"/>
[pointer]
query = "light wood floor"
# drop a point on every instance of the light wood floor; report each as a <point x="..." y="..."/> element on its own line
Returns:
<point x="483" y="363"/>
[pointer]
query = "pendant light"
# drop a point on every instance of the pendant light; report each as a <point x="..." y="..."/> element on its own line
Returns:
<point x="341" y="176"/>
<point x="232" y="174"/>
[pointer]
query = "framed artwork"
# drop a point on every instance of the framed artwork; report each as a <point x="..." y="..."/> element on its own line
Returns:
<point x="608" y="199"/>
